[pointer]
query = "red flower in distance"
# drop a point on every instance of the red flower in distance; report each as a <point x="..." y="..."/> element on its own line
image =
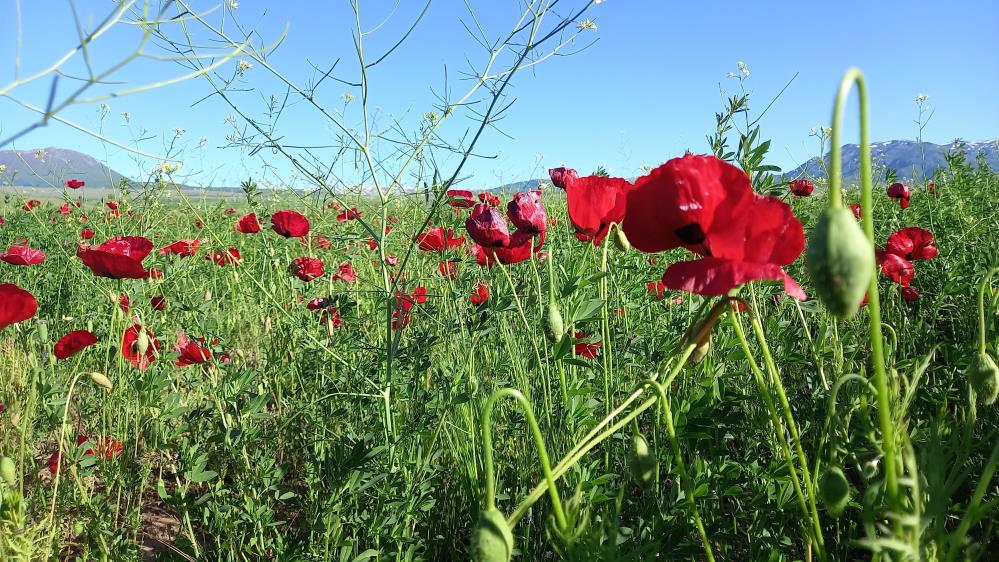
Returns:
<point x="328" y="311"/>
<point x="708" y="206"/>
<point x="348" y="215"/>
<point x="74" y="184"/>
<point x="16" y="305"/>
<point x="249" y="224"/>
<point x="229" y="211"/>
<point x="183" y="248"/>
<point x="345" y="272"/>
<point x="448" y="269"/>
<point x="931" y="187"/>
<point x="64" y="209"/>
<point x="527" y="212"/>
<point x="857" y="210"/>
<point x="912" y="243"/>
<point x="87" y="234"/>
<point x="438" y="239"/>
<point x="487" y="227"/>
<point x="139" y="346"/>
<point x="158" y="303"/>
<point x="594" y="203"/>
<point x="901" y="192"/>
<point x="489" y="198"/>
<point x="656" y="289"/>
<point x="801" y="187"/>
<point x="73" y="342"/>
<point x="124" y="303"/>
<point x="21" y="254"/>
<point x="585" y="348"/>
<point x="307" y="268"/>
<point x="562" y="176"/>
<point x="223" y="258"/>
<point x="290" y="224"/>
<point x="31" y="204"/>
<point x="897" y="268"/>
<point x="113" y="205"/>
<point x="460" y="198"/>
<point x="190" y="352"/>
<point x="480" y="294"/>
<point x="119" y="257"/>
<point x="107" y="448"/>
<point x="909" y="293"/>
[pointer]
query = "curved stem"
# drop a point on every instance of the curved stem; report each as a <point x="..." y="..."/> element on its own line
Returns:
<point x="539" y="444"/>
<point x="855" y="76"/>
<point x="62" y="437"/>
<point x="981" y="308"/>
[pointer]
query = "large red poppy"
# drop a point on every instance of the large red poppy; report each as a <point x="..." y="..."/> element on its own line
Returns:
<point x="119" y="257"/>
<point x="708" y="206"/>
<point x="594" y="203"/>
<point x="132" y="343"/>
<point x="489" y="230"/>
<point x="16" y="305"/>
<point x="461" y="198"/>
<point x="801" y="187"/>
<point x="22" y="254"/>
<point x="248" y="224"/>
<point x="290" y="224"/>
<point x="72" y="343"/>
<point x="487" y="227"/>
<point x="901" y="192"/>
<point x="527" y="212"/>
<point x="438" y="239"/>
<point x="307" y="268"/>
<point x="190" y="352"/>
<point x="912" y="243"/>
<point x="183" y="248"/>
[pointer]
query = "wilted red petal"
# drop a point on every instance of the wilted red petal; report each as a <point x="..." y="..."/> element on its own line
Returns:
<point x="72" y="343"/>
<point x="713" y="277"/>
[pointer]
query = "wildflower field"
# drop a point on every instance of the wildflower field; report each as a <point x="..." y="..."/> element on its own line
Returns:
<point x="711" y="360"/>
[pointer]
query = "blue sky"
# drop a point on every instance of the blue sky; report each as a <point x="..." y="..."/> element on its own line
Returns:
<point x="645" y="91"/>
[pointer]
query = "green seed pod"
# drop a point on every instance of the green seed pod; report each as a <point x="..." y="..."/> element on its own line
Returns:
<point x="8" y="472"/>
<point x="620" y="240"/>
<point x="840" y="261"/>
<point x="492" y="540"/>
<point x="552" y="323"/>
<point x="642" y="461"/>
<point x="834" y="491"/>
<point x="984" y="376"/>
<point x="100" y="380"/>
<point x="142" y="342"/>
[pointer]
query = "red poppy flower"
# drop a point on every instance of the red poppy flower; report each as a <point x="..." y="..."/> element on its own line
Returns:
<point x="708" y="206"/>
<point x="487" y="227"/>
<point x="594" y="203"/>
<point x="857" y="210"/>
<point x="113" y="205"/>
<point x="183" y="248"/>
<point x="249" y="224"/>
<point x="229" y="211"/>
<point x="931" y="187"/>
<point x="480" y="294"/>
<point x="223" y="258"/>
<point x="87" y="234"/>
<point x="307" y="268"/>
<point x="21" y="254"/>
<point x="460" y="198"/>
<point x="155" y="273"/>
<point x="107" y="448"/>
<point x="345" y="272"/>
<point x="912" y="243"/>
<point x="656" y="288"/>
<point x="402" y="314"/>
<point x="585" y="348"/>
<point x="190" y="352"/>
<point x="448" y="269"/>
<point x="348" y="215"/>
<point x="74" y="184"/>
<point x="158" y="303"/>
<point x="438" y="239"/>
<point x="64" y="209"/>
<point x="527" y="212"/>
<point x="391" y="260"/>
<point x="372" y="243"/>
<point x="489" y="198"/>
<point x="119" y="257"/>
<point x="139" y="350"/>
<point x="901" y="192"/>
<point x="909" y="293"/>
<point x="328" y="312"/>
<point x="897" y="268"/>
<point x="321" y="242"/>
<point x="72" y="343"/>
<point x="124" y="303"/>
<point x="801" y="187"/>
<point x="16" y="305"/>
<point x="562" y="176"/>
<point x="31" y="204"/>
<point x="55" y="463"/>
<point x="290" y="224"/>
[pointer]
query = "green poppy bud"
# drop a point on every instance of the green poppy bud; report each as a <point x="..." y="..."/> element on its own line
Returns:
<point x="984" y="376"/>
<point x="840" y="261"/>
<point x="641" y="461"/>
<point x="492" y="540"/>
<point x="100" y="380"/>
<point x="834" y="491"/>
<point x="620" y="240"/>
<point x="142" y="342"/>
<point x="8" y="472"/>
<point x="552" y="323"/>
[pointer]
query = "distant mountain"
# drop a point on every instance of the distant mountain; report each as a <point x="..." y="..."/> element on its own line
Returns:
<point x="51" y="166"/>
<point x="904" y="157"/>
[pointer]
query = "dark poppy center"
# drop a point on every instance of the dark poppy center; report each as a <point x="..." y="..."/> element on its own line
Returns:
<point x="691" y="234"/>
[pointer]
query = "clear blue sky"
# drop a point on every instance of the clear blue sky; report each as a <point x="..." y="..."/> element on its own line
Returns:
<point x="644" y="92"/>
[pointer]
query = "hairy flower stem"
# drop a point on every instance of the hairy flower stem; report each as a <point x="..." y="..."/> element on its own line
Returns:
<point x="539" y="444"/>
<point x="605" y="336"/>
<point x="852" y="76"/>
<point x="534" y="344"/>
<point x="809" y="512"/>
<point x="981" y="308"/>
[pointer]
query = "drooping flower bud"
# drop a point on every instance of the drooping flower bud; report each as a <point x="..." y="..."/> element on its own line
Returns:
<point x="142" y="342"/>
<point x="102" y="381"/>
<point x="641" y="461"/>
<point x="983" y="373"/>
<point x="552" y="323"/>
<point x="8" y="472"/>
<point x="620" y="240"/>
<point x="834" y="491"/>
<point x="492" y="540"/>
<point x="840" y="261"/>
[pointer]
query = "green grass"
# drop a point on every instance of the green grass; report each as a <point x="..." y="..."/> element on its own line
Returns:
<point x="286" y="451"/>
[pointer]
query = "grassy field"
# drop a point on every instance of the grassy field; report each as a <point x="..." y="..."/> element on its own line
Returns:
<point x="353" y="432"/>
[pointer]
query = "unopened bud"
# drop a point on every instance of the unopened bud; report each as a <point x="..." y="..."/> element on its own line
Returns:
<point x="101" y="380"/>
<point x="641" y="461"/>
<point x="620" y="240"/>
<point x="840" y="261"/>
<point x="983" y="373"/>
<point x="552" y="323"/>
<point x="492" y="540"/>
<point x="8" y="471"/>
<point x="834" y="491"/>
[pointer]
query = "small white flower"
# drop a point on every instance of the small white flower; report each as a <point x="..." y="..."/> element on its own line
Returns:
<point x="233" y="4"/>
<point x="178" y="132"/>
<point x="39" y="154"/>
<point x="921" y="98"/>
<point x="126" y="116"/>
<point x="587" y="24"/>
<point x="743" y="69"/>
<point x="3" y="169"/>
<point x="347" y="97"/>
<point x="243" y="66"/>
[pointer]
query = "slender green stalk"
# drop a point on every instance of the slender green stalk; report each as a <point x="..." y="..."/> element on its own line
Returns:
<point x="981" y="308"/>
